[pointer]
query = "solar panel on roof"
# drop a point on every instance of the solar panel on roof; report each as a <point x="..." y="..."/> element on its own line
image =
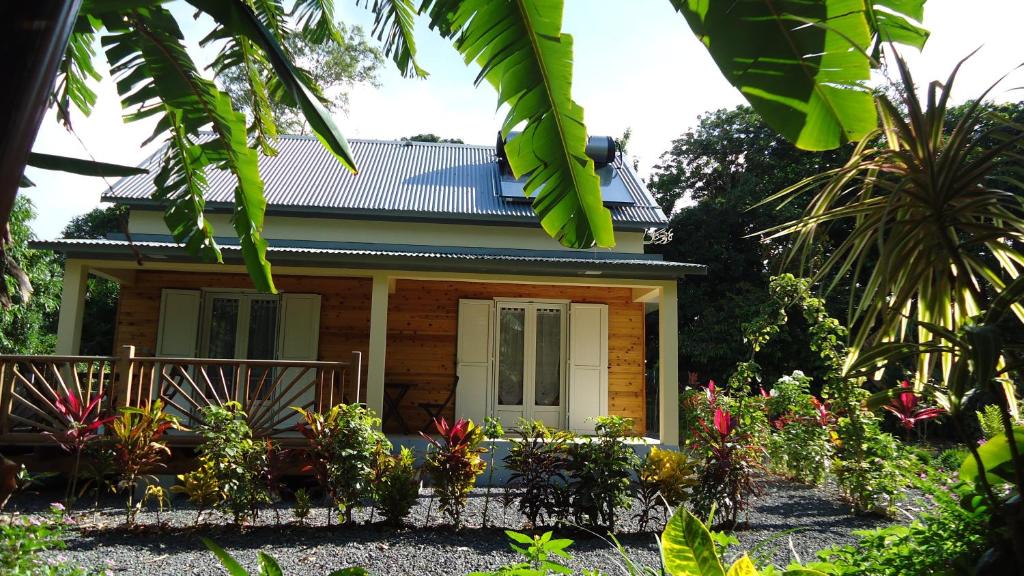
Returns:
<point x="613" y="189"/>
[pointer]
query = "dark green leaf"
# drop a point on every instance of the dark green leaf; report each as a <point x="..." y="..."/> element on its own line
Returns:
<point x="393" y="24"/>
<point x="80" y="166"/>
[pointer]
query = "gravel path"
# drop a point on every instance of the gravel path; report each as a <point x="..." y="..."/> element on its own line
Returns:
<point x="815" y="516"/>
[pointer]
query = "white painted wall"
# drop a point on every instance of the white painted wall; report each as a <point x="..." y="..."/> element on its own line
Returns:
<point x="387" y="232"/>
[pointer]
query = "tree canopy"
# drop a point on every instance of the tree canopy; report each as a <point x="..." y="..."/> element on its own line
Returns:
<point x="30" y="326"/>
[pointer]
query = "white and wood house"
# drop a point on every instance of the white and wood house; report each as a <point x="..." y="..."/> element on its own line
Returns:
<point x="429" y="263"/>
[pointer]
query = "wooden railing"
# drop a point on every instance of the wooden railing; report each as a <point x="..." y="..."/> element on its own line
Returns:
<point x="32" y="389"/>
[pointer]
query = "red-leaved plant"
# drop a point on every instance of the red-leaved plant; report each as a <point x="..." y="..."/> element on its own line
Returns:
<point x="454" y="464"/>
<point x="908" y="410"/>
<point x="82" y="420"/>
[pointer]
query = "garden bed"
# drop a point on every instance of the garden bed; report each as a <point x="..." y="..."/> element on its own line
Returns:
<point x="820" y="520"/>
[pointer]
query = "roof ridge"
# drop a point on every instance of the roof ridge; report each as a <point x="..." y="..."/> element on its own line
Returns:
<point x="375" y="141"/>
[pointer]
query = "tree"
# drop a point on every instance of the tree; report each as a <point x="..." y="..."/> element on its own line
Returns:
<point x="333" y="66"/>
<point x="30" y="326"/>
<point x="432" y="138"/>
<point x="99" y="317"/>
<point x="811" y="63"/>
<point x="726" y="166"/>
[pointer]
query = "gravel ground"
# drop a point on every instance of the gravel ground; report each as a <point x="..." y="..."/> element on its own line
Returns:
<point x="815" y="517"/>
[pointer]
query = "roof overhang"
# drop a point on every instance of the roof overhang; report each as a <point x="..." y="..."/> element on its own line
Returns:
<point x="364" y="256"/>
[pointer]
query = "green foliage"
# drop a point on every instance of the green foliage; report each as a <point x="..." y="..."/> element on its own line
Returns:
<point x="944" y="541"/>
<point x="819" y="105"/>
<point x="431" y="137"/>
<point x="237" y="462"/>
<point x="454" y="464"/>
<point x="726" y="165"/>
<point x="951" y="458"/>
<point x="664" y="480"/>
<point x="529" y="63"/>
<point x="303" y="503"/>
<point x="869" y="465"/>
<point x="996" y="457"/>
<point x="29" y="326"/>
<point x="23" y="540"/>
<point x="801" y="444"/>
<point x="343" y="446"/>
<point x="600" y="472"/>
<point x="539" y="555"/>
<point x="268" y="566"/>
<point x="539" y="460"/>
<point x="201" y="487"/>
<point x="396" y="485"/>
<point x="138" y="446"/>
<point x="990" y="420"/>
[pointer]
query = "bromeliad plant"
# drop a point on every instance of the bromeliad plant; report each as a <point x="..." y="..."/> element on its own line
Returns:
<point x="82" y="418"/>
<point x="454" y="464"/>
<point x="138" y="446"/>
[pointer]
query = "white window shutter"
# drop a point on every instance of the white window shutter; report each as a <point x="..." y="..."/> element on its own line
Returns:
<point x="588" y="365"/>
<point x="300" y="327"/>
<point x="473" y="359"/>
<point x="178" y="332"/>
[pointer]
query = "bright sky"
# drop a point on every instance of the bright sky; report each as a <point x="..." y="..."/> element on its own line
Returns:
<point x="637" y="66"/>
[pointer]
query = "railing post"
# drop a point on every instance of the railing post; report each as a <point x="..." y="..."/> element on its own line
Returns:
<point x="125" y="367"/>
<point x="6" y="397"/>
<point x="356" y="367"/>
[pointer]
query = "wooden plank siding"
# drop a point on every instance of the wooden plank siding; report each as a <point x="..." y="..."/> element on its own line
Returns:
<point x="422" y="324"/>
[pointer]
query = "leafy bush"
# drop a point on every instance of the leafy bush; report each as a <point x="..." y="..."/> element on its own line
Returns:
<point x="870" y="465"/>
<point x="237" y="462"/>
<point x="395" y="486"/>
<point x="343" y="447"/>
<point x="990" y="420"/>
<point x="664" y="481"/>
<point x="455" y="464"/>
<point x="800" y="446"/>
<point x="946" y="541"/>
<point x="303" y="504"/>
<point x="138" y="447"/>
<point x="201" y="488"/>
<point x="600" y="472"/>
<point x="538" y="460"/>
<point x="24" y="539"/>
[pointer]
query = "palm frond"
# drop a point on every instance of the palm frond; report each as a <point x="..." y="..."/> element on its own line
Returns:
<point x="75" y="72"/>
<point x="522" y="52"/>
<point x="316" y="20"/>
<point x="393" y="24"/>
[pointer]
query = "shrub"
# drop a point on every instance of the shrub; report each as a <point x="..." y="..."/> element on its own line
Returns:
<point x="539" y="459"/>
<point x="800" y="446"/>
<point x="395" y="486"/>
<point x="201" y="488"/>
<point x="237" y="462"/>
<point x="664" y="480"/>
<point x="870" y="465"/>
<point x="455" y="464"/>
<point x="343" y="447"/>
<point x="302" y="505"/>
<point x="138" y="446"/>
<point x="600" y="471"/>
<point x="990" y="420"/>
<point x="947" y="540"/>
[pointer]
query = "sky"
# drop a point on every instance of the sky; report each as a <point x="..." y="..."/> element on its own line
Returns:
<point x="637" y="66"/>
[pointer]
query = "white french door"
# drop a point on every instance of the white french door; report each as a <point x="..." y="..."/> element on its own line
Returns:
<point x="530" y="367"/>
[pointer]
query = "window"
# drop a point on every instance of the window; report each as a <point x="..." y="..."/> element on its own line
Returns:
<point x="241" y="326"/>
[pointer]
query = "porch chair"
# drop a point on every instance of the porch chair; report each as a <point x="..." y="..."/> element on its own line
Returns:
<point x="434" y="409"/>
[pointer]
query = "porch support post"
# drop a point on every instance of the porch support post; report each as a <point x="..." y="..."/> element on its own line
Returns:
<point x="668" y="364"/>
<point x="378" y="345"/>
<point x="72" y="305"/>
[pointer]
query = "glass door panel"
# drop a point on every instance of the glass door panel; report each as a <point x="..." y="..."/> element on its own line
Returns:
<point x="261" y="343"/>
<point x="548" y="372"/>
<point x="511" y="381"/>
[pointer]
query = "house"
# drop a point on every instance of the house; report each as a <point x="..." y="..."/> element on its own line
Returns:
<point x="429" y="263"/>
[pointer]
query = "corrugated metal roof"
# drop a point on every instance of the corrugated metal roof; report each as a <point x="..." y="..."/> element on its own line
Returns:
<point x="582" y="262"/>
<point x="396" y="180"/>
